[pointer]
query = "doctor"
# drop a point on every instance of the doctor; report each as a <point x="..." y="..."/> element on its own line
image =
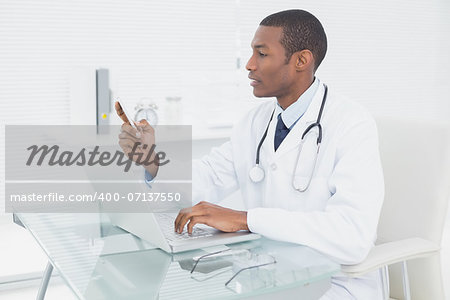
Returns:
<point x="307" y="164"/>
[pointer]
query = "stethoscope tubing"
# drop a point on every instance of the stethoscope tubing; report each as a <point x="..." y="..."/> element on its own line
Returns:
<point x="308" y="129"/>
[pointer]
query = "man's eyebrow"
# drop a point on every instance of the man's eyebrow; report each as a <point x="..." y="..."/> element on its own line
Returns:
<point x="259" y="46"/>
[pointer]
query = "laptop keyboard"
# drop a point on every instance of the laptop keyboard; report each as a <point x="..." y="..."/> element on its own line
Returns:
<point x="166" y="223"/>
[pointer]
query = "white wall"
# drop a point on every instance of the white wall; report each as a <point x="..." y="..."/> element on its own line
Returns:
<point x="390" y="55"/>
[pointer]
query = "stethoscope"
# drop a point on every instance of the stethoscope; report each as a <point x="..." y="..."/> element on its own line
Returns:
<point x="300" y="182"/>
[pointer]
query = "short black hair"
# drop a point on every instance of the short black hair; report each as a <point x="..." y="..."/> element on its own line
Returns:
<point x="301" y="30"/>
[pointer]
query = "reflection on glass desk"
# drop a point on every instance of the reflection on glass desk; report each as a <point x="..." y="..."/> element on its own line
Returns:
<point x="100" y="261"/>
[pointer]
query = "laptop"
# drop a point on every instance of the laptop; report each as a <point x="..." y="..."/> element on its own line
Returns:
<point x="158" y="229"/>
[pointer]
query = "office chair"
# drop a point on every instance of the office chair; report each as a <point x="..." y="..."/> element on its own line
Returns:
<point x="416" y="164"/>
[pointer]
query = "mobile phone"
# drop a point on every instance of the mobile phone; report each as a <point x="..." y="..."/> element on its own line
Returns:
<point x="130" y="120"/>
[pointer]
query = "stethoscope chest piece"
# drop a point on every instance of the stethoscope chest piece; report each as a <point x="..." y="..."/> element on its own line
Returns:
<point x="256" y="173"/>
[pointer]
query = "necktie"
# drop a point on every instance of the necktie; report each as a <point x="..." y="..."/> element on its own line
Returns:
<point x="280" y="132"/>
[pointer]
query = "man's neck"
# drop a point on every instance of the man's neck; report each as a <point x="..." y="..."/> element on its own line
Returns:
<point x="287" y="100"/>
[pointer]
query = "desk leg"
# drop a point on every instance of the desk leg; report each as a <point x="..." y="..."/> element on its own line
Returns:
<point x="45" y="279"/>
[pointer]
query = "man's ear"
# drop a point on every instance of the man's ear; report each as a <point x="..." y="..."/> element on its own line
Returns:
<point x="303" y="60"/>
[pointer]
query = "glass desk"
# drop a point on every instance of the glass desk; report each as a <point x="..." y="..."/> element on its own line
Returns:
<point x="100" y="261"/>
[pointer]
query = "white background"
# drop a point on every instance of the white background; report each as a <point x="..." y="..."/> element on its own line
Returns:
<point x="392" y="56"/>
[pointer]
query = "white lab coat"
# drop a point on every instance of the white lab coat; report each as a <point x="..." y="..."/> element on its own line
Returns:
<point x="337" y="215"/>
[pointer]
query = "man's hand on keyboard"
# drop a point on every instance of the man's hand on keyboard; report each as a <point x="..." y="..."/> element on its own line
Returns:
<point x="216" y="216"/>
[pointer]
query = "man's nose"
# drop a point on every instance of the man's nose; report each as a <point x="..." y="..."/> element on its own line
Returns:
<point x="251" y="66"/>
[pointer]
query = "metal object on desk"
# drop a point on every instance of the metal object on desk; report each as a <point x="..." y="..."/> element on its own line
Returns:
<point x="103" y="100"/>
<point x="259" y="273"/>
<point x="173" y="113"/>
<point x="146" y="109"/>
<point x="236" y="260"/>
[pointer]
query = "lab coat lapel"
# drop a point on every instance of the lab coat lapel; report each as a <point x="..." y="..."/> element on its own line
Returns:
<point x="267" y="149"/>
<point x="294" y="137"/>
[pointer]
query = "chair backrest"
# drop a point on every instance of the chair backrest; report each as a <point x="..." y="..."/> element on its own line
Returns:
<point x="416" y="163"/>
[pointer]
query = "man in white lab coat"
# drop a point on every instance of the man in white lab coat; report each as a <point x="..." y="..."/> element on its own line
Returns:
<point x="338" y="212"/>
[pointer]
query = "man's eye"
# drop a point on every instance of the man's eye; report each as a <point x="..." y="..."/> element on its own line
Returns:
<point x="262" y="54"/>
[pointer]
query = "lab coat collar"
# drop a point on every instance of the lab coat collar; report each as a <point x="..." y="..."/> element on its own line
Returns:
<point x="293" y="139"/>
<point x="296" y="110"/>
